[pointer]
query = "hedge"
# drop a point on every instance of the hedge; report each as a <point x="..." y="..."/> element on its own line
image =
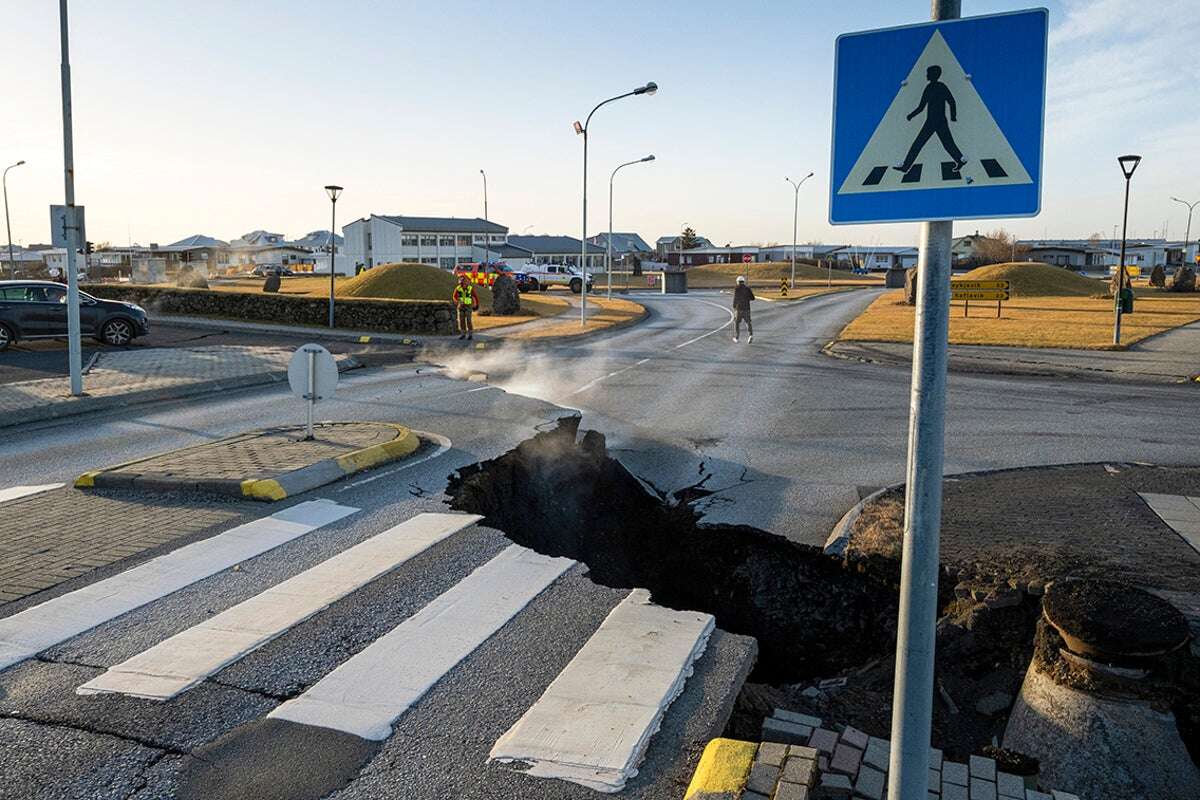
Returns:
<point x="400" y="316"/>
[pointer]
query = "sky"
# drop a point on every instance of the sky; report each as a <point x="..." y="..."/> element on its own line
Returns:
<point x="225" y="116"/>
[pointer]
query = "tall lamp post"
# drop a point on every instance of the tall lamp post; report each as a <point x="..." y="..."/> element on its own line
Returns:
<point x="1128" y="165"/>
<point x="795" y="221"/>
<point x="485" y="212"/>
<point x="608" y="256"/>
<point x="12" y="264"/>
<point x="1187" y="237"/>
<point x="333" y="192"/>
<point x="650" y="88"/>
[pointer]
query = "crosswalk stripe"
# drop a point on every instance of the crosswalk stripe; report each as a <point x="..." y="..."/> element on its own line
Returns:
<point x="17" y="492"/>
<point x="368" y="692"/>
<point x="27" y="633"/>
<point x="184" y="660"/>
<point x="593" y="723"/>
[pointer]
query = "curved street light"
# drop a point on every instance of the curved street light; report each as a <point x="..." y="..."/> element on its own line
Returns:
<point x="608" y="255"/>
<point x="1188" y="235"/>
<point x="333" y="192"/>
<point x="1128" y="165"/>
<point x="795" y="221"/>
<point x="650" y="88"/>
<point x="12" y="264"/>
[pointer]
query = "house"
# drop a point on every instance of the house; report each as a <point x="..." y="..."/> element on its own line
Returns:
<point x="1074" y="254"/>
<point x="436" y="241"/>
<point x="203" y="253"/>
<point x="670" y="244"/>
<point x="700" y="256"/>
<point x="881" y="258"/>
<point x="318" y="241"/>
<point x="811" y="252"/>
<point x="622" y="243"/>
<point x="552" y="250"/>
<point x="258" y="238"/>
<point x="966" y="250"/>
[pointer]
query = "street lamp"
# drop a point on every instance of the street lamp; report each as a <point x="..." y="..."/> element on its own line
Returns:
<point x="12" y="264"/>
<point x="608" y="256"/>
<point x="1186" y="236"/>
<point x="333" y="192"/>
<point x="795" y="220"/>
<point x="1128" y="165"/>
<point x="484" y="174"/>
<point x="649" y="89"/>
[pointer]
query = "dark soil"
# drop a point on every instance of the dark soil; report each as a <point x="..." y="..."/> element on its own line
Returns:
<point x="1115" y="618"/>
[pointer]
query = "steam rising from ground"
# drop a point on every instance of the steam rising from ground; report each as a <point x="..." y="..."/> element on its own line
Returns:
<point x="527" y="371"/>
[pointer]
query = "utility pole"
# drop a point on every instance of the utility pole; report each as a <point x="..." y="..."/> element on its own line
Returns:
<point x="74" y="351"/>
<point x="485" y="211"/>
<point x="795" y="221"/>
<point x="12" y="264"/>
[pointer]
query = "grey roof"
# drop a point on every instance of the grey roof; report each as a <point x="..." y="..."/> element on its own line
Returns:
<point x="671" y="240"/>
<point x="444" y="224"/>
<point x="553" y="245"/>
<point x="622" y="242"/>
<point x="199" y="240"/>
<point x="505" y="250"/>
<point x="316" y="240"/>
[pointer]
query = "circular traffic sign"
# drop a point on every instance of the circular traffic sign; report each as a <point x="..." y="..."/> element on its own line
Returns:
<point x="317" y="360"/>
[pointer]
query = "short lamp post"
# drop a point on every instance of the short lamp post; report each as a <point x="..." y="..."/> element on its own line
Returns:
<point x="1187" y="236"/>
<point x="1128" y="165"/>
<point x="333" y="192"/>
<point x="608" y="256"/>
<point x="795" y="221"/>
<point x="649" y="89"/>
<point x="12" y="264"/>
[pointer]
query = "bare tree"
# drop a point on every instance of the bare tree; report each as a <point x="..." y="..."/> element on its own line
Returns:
<point x="999" y="246"/>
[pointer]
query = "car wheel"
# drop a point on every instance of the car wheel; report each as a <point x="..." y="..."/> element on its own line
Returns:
<point x="534" y="286"/>
<point x="6" y="337"/>
<point x="576" y="286"/>
<point x="117" y="332"/>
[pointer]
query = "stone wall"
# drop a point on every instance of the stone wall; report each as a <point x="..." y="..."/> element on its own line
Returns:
<point x="400" y="316"/>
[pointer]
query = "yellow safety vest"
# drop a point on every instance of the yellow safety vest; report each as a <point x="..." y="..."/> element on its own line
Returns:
<point x="463" y="295"/>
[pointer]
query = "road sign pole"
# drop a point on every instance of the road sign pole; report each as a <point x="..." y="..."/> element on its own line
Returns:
<point x="74" y="351"/>
<point x="312" y="392"/>
<point x="912" y="706"/>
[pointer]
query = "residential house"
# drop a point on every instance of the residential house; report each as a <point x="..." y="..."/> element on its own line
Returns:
<point x="622" y="243"/>
<point x="531" y="250"/>
<point x="700" y="256"/>
<point x="437" y="241"/>
<point x="811" y="252"/>
<point x="1081" y="255"/>
<point x="670" y="244"/>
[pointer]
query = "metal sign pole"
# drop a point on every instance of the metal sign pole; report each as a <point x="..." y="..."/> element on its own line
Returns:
<point x="74" y="351"/>
<point x="312" y="392"/>
<point x="912" y="706"/>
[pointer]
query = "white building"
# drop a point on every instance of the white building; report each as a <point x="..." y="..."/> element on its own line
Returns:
<point x="437" y="241"/>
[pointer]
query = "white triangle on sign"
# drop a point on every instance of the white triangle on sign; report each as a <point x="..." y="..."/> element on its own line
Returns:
<point x="990" y="160"/>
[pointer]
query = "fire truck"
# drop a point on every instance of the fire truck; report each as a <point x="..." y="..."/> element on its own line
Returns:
<point x="486" y="273"/>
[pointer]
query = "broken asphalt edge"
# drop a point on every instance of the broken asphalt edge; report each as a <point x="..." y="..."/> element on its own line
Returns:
<point x="722" y="771"/>
<point x="287" y="485"/>
<point x="88" y="404"/>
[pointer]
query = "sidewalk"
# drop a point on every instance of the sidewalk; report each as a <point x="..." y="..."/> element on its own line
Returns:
<point x="120" y="378"/>
<point x="1169" y="358"/>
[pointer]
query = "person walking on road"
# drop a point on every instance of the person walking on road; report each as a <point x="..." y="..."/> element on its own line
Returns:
<point x="742" y="297"/>
<point x="466" y="300"/>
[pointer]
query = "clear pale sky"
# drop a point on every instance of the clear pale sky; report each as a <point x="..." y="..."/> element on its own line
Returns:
<point x="222" y="116"/>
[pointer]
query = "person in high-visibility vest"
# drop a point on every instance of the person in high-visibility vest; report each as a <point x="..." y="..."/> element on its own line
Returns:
<point x="783" y="287"/>
<point x="466" y="300"/>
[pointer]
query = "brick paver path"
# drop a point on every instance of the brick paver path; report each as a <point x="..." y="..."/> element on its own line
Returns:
<point x="50" y="537"/>
<point x="261" y="455"/>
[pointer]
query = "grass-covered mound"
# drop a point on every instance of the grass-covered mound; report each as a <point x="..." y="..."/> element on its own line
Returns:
<point x="1034" y="279"/>
<point x="406" y="282"/>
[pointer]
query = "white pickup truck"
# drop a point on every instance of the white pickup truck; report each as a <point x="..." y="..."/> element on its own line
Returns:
<point x="545" y="276"/>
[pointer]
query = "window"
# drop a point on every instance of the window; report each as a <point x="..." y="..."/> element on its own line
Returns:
<point x="14" y="293"/>
<point x="464" y="259"/>
<point x="446" y="241"/>
<point x="432" y="261"/>
<point x="463" y="240"/>
<point x="428" y="240"/>
<point x="408" y="240"/>
<point x="447" y="262"/>
<point x="479" y="238"/>
<point x="52" y="294"/>
<point x="498" y="238"/>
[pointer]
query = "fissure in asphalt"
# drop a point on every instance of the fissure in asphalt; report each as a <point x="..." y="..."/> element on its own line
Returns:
<point x="564" y="496"/>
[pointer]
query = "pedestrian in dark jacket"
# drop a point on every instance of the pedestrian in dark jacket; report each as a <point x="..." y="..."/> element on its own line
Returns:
<point x="742" y="297"/>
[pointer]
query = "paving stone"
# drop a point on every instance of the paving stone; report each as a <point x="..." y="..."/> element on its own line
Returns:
<point x="1010" y="797"/>
<point x="952" y="791"/>
<point x="1063" y="795"/>
<point x="777" y="730"/>
<point x="797" y="718"/>
<point x="823" y="763"/>
<point x="835" y="785"/>
<point x="935" y="758"/>
<point x="755" y="796"/>
<point x="800" y="770"/>
<point x="878" y="753"/>
<point x="771" y="753"/>
<point x="935" y="780"/>
<point x="823" y="740"/>
<point x="855" y="738"/>
<point x="954" y="772"/>
<point x="763" y="778"/>
<point x="982" y="789"/>
<point x="1030" y="794"/>
<point x="801" y="751"/>
<point x="870" y="783"/>
<point x="1009" y="784"/>
<point x="791" y="791"/>
<point x="983" y="767"/>
<point x="846" y="759"/>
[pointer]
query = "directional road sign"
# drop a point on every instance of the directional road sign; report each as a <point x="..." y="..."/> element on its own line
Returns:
<point x="938" y="121"/>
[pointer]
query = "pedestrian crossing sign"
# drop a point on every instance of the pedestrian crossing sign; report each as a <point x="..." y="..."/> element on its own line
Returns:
<point x="940" y="121"/>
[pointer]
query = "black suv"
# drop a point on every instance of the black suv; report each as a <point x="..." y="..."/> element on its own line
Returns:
<point x="38" y="310"/>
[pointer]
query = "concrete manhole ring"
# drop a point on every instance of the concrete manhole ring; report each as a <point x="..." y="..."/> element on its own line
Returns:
<point x="1113" y="621"/>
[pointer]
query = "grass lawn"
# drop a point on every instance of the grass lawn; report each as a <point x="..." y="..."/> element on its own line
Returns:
<point x="769" y="273"/>
<point x="602" y="314"/>
<point x="1078" y="322"/>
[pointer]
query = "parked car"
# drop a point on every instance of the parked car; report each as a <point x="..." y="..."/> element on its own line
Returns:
<point x="546" y="276"/>
<point x="263" y="270"/>
<point x="38" y="310"/>
<point x="485" y="274"/>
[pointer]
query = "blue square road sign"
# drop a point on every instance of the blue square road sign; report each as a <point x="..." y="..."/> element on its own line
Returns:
<point x="938" y="121"/>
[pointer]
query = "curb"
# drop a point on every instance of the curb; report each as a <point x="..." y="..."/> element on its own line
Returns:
<point x="337" y="334"/>
<point x="88" y="404"/>
<point x="832" y="290"/>
<point x="839" y="537"/>
<point x="722" y="771"/>
<point x="266" y="489"/>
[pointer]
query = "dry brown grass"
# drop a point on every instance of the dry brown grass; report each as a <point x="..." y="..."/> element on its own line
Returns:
<point x="769" y="273"/>
<point x="602" y="314"/>
<point x="1083" y="323"/>
<point x="879" y="529"/>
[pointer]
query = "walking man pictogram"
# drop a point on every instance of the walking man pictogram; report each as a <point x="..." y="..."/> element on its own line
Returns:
<point x="934" y="100"/>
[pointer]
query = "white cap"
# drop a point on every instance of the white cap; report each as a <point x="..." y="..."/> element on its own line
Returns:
<point x="741" y="279"/>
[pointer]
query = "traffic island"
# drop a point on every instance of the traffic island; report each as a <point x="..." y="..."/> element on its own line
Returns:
<point x="269" y="464"/>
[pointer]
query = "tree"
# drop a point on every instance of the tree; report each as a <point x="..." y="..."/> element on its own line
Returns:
<point x="998" y="247"/>
<point x="688" y="238"/>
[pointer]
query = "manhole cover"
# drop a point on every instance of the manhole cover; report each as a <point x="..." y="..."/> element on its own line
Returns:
<point x="1113" y="620"/>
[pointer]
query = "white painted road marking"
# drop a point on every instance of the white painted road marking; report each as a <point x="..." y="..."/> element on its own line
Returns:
<point x="367" y="693"/>
<point x="17" y="492"/>
<point x="29" y="632"/>
<point x="184" y="660"/>
<point x="443" y="444"/>
<point x="593" y="723"/>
